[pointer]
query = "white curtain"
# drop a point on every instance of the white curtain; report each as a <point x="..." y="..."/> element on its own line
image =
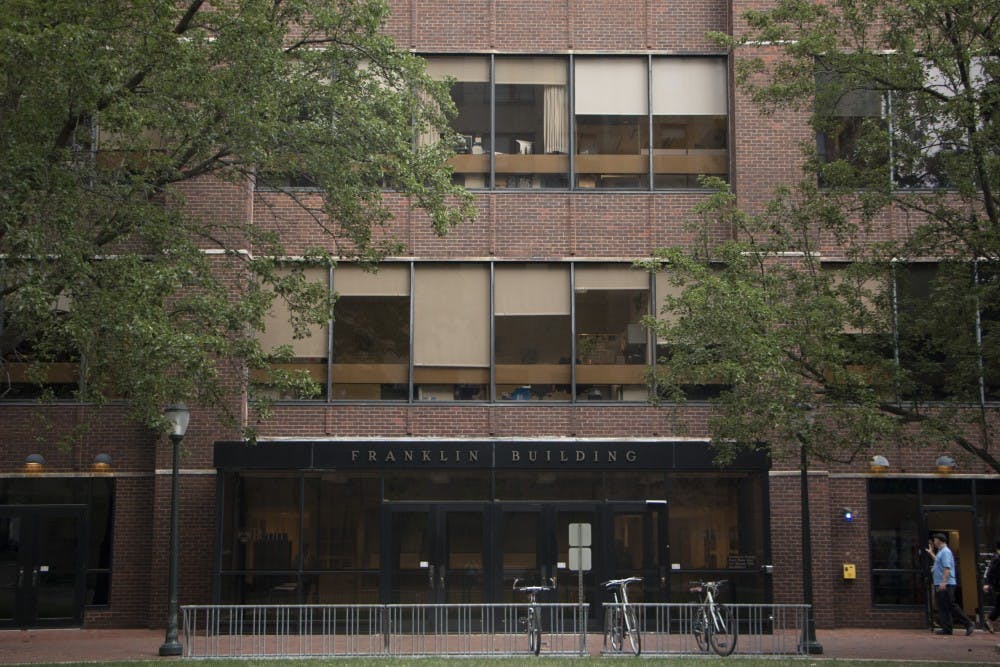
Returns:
<point x="556" y="120"/>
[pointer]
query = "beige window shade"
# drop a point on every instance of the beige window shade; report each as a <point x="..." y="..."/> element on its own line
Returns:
<point x="664" y="289"/>
<point x="278" y="330"/>
<point x="689" y="87"/>
<point x="618" y="276"/>
<point x="468" y="69"/>
<point x="537" y="71"/>
<point x="532" y="290"/>
<point x="391" y="280"/>
<point x="610" y="87"/>
<point x="451" y="315"/>
<point x="873" y="287"/>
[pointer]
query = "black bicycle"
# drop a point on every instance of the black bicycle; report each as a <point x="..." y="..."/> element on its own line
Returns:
<point x="714" y="625"/>
<point x="533" y="619"/>
<point x="620" y="619"/>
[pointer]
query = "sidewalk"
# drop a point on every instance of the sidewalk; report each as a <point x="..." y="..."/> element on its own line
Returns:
<point x="75" y="645"/>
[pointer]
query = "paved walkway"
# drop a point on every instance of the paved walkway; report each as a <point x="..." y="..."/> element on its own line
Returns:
<point x="56" y="646"/>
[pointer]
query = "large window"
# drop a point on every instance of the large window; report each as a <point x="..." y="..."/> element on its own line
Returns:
<point x="434" y="337"/>
<point x="623" y="133"/>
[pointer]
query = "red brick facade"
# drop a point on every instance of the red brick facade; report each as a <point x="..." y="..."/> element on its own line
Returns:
<point x="556" y="225"/>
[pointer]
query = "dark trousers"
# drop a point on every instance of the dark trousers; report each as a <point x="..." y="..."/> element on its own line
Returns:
<point x="946" y="607"/>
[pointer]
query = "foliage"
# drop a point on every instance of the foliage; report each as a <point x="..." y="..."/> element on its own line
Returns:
<point x="883" y="353"/>
<point x="111" y="112"/>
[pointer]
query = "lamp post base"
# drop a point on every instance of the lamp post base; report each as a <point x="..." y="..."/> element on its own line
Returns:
<point x="811" y="648"/>
<point x="169" y="648"/>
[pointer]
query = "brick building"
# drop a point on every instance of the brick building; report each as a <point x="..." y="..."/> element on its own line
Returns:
<point x="486" y="390"/>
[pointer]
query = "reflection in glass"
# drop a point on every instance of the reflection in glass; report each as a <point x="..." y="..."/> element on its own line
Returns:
<point x="471" y="95"/>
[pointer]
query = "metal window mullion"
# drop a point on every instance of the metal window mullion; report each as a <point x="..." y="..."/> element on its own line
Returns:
<point x="329" y="339"/>
<point x="411" y="364"/>
<point x="572" y="122"/>
<point x="493" y="122"/>
<point x="572" y="332"/>
<point x="493" y="357"/>
<point x="649" y="120"/>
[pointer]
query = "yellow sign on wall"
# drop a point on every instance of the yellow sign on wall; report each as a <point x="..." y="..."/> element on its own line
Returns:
<point x="849" y="571"/>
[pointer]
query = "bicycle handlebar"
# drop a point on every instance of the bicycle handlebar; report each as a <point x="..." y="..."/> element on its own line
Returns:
<point x="535" y="589"/>
<point x="611" y="583"/>
<point x="697" y="586"/>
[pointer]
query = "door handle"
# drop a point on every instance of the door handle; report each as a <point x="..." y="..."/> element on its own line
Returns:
<point x="430" y="576"/>
<point x="20" y="576"/>
<point x="34" y="578"/>
<point x="442" y="576"/>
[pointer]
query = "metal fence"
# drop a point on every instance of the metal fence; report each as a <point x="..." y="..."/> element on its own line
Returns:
<point x="272" y="631"/>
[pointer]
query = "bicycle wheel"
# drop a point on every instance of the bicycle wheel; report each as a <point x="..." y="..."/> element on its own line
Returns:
<point x="701" y="629"/>
<point x="723" y="635"/>
<point x="534" y="633"/>
<point x="615" y="629"/>
<point x="632" y="630"/>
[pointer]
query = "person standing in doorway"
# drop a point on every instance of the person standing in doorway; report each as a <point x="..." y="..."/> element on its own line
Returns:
<point x="943" y="577"/>
<point x="991" y="584"/>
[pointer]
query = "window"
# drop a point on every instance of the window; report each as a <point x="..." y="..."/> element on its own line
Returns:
<point x="532" y="332"/>
<point x="310" y="353"/>
<point x="371" y="333"/>
<point x="33" y="367"/>
<point x="451" y="343"/>
<point x="898" y="568"/>
<point x="851" y="132"/>
<point x="690" y="129"/>
<point x="612" y="350"/>
<point x="532" y="123"/>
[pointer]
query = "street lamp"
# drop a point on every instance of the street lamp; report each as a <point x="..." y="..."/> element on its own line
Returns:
<point x="178" y="416"/>
<point x="809" y="644"/>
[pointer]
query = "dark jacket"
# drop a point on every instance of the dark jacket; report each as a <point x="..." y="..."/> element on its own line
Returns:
<point x="992" y="575"/>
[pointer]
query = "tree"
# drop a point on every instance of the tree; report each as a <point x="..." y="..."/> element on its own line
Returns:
<point x="111" y="111"/>
<point x="886" y="351"/>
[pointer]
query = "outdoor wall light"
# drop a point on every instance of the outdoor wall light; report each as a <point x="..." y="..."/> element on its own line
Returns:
<point x="34" y="461"/>
<point x="848" y="514"/>
<point x="945" y="464"/>
<point x="878" y="463"/>
<point x="102" y="461"/>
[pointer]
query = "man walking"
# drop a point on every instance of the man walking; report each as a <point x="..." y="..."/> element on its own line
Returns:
<point x="943" y="577"/>
<point x="991" y="584"/>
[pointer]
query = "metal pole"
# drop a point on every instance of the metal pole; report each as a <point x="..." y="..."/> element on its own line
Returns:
<point x="171" y="646"/>
<point x="809" y="644"/>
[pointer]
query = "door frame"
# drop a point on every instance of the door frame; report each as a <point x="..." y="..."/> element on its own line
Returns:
<point x="436" y="513"/>
<point x="31" y="563"/>
<point x="960" y="520"/>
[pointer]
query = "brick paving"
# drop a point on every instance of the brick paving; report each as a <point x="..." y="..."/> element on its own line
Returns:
<point x="76" y="645"/>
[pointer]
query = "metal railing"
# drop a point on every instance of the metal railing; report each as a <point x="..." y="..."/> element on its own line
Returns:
<point x="413" y="630"/>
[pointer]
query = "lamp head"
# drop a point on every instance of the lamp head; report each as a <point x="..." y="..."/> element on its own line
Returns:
<point x="34" y="462"/>
<point x="878" y="463"/>
<point x="178" y="416"/>
<point x="945" y="464"/>
<point x="848" y="514"/>
<point x="102" y="461"/>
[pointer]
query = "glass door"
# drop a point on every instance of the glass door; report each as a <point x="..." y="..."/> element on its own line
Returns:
<point x="42" y="566"/>
<point x="958" y="525"/>
<point x="436" y="554"/>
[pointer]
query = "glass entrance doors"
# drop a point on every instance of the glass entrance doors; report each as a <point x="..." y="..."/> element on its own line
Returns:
<point x="958" y="526"/>
<point x="42" y="565"/>
<point x="436" y="554"/>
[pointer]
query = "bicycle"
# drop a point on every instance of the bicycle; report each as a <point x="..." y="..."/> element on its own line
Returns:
<point x="533" y="620"/>
<point x="620" y="619"/>
<point x="714" y="625"/>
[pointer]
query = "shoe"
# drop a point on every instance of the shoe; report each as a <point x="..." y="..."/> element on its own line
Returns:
<point x="969" y="629"/>
<point x="942" y="632"/>
<point x="989" y="626"/>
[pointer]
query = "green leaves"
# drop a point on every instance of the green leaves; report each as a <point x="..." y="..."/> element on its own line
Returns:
<point x="132" y="133"/>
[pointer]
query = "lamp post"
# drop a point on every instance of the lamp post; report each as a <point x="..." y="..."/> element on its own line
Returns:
<point x="178" y="416"/>
<point x="809" y="644"/>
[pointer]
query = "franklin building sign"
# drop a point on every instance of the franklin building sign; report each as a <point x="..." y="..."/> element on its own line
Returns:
<point x="473" y="454"/>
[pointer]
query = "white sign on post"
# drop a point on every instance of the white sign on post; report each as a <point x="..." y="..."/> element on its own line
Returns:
<point x="579" y="559"/>
<point x="579" y="534"/>
<point x="579" y="547"/>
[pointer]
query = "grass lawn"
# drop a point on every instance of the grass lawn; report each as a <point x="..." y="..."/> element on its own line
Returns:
<point x="624" y="661"/>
